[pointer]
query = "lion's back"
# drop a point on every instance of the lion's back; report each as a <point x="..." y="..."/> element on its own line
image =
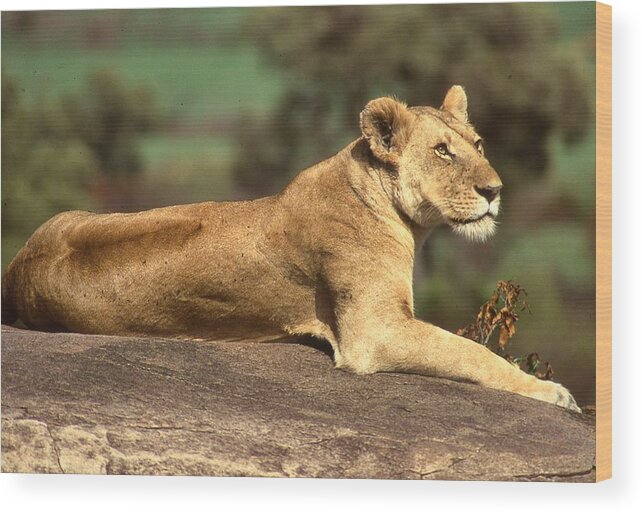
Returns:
<point x="118" y="272"/>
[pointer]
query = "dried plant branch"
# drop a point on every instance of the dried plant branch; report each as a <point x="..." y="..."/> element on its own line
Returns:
<point x="501" y="312"/>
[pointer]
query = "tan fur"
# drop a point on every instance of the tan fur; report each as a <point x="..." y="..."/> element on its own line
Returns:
<point x="456" y="103"/>
<point x="330" y="256"/>
<point x="392" y="116"/>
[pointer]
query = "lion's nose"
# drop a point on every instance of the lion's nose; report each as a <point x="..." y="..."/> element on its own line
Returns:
<point x="488" y="192"/>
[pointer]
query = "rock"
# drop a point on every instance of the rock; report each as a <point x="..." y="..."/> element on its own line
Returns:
<point x="76" y="403"/>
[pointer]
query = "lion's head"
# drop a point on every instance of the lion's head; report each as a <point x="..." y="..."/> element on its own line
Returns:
<point x="436" y="158"/>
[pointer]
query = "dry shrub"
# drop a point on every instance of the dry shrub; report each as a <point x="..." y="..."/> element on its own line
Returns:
<point x="501" y="312"/>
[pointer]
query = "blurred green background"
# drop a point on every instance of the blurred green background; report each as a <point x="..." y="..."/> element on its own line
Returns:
<point x="123" y="110"/>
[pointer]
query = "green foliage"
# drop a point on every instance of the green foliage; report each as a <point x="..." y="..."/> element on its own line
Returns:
<point x="571" y="171"/>
<point x="191" y="169"/>
<point x="110" y="118"/>
<point x="45" y="167"/>
<point x="568" y="252"/>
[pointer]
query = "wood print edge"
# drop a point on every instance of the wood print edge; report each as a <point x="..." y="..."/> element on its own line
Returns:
<point x="603" y="241"/>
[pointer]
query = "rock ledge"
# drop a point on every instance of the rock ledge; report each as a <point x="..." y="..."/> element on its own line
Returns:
<point x="95" y="404"/>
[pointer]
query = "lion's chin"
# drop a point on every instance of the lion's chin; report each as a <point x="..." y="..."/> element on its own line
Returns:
<point x="478" y="230"/>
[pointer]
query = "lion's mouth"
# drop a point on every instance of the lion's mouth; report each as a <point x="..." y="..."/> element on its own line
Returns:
<point x="479" y="228"/>
<point x="468" y="221"/>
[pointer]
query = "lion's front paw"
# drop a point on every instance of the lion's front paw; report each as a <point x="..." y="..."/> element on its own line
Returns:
<point x="552" y="392"/>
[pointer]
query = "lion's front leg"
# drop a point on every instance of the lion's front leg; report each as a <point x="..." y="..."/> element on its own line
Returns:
<point x="412" y="346"/>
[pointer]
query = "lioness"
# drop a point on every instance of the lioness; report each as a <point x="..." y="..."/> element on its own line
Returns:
<point x="330" y="256"/>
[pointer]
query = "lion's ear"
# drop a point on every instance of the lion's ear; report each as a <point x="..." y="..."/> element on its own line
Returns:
<point x="456" y="103"/>
<point x="386" y="124"/>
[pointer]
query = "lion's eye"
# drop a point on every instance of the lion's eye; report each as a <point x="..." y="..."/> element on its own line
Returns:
<point x="442" y="150"/>
<point x="478" y="145"/>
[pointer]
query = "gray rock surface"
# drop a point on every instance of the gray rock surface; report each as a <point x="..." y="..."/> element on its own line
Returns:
<point x="95" y="404"/>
